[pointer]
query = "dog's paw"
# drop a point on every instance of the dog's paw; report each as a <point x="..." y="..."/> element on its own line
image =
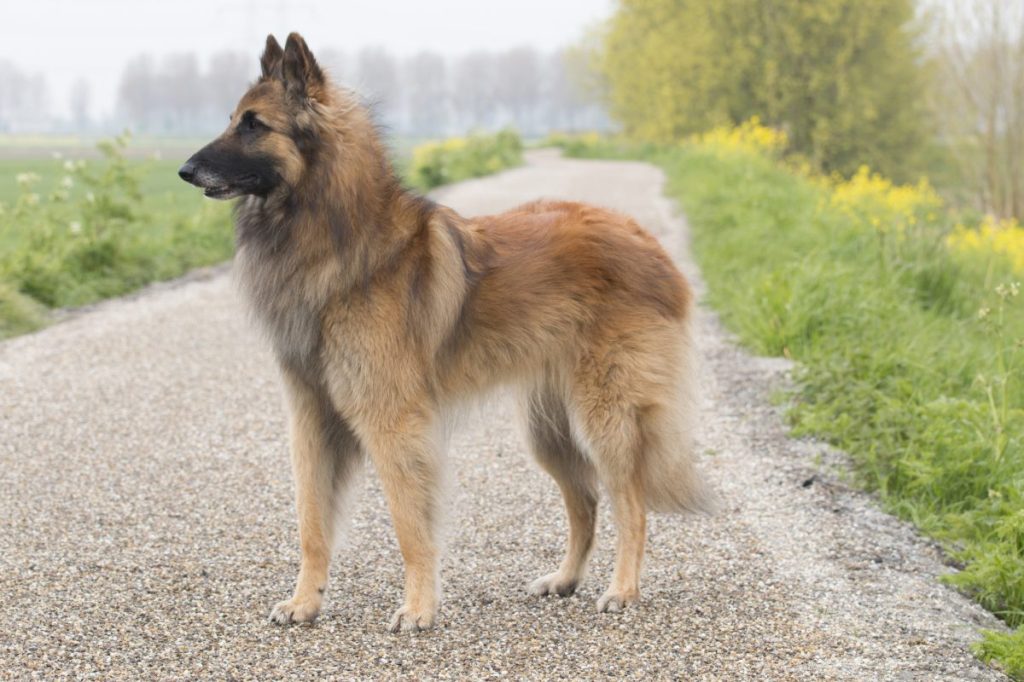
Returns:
<point x="407" y="619"/>
<point x="614" y="601"/>
<point x="554" y="583"/>
<point x="295" y="611"/>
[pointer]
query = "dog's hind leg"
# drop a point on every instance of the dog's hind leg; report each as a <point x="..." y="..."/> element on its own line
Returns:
<point x="605" y="421"/>
<point x="325" y="458"/>
<point x="550" y="440"/>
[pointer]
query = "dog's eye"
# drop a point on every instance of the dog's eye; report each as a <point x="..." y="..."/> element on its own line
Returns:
<point x="250" y="122"/>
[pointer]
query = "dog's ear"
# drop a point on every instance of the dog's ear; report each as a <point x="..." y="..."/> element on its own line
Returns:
<point x="302" y="75"/>
<point x="270" y="62"/>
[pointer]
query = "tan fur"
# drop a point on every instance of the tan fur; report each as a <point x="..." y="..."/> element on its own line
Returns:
<point x="384" y="310"/>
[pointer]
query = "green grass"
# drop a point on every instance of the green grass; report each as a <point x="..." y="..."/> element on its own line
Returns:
<point x="120" y="224"/>
<point x="459" y="158"/>
<point x="896" y="366"/>
<point x="891" y="350"/>
<point x="165" y="195"/>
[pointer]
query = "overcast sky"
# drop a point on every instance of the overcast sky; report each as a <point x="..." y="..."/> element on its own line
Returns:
<point x="68" y="39"/>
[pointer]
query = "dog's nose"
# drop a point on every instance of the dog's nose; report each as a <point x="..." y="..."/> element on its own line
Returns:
<point x="187" y="172"/>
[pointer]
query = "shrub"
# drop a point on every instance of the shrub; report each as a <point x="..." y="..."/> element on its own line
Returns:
<point x="459" y="158"/>
<point x="592" y="145"/>
<point x="993" y="236"/>
<point x="96" y="236"/>
<point x="749" y="137"/>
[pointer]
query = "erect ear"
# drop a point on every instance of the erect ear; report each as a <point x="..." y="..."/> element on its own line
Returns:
<point x="302" y="75"/>
<point x="270" y="62"/>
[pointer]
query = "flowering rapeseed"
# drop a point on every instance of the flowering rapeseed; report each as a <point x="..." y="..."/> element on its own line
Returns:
<point x="748" y="137"/>
<point x="875" y="200"/>
<point x="1005" y="237"/>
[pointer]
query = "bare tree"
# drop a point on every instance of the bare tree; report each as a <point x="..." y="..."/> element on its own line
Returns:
<point x="338" y="65"/>
<point x="518" y="88"/>
<point x="978" y="95"/>
<point x="377" y="80"/>
<point x="78" y="102"/>
<point x="474" y="89"/>
<point x="426" y="78"/>
<point x="24" y="99"/>
<point x="182" y="105"/>
<point x="224" y="82"/>
<point x="138" y="93"/>
<point x="425" y="95"/>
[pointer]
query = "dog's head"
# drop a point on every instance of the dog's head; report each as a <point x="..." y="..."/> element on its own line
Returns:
<point x="268" y="145"/>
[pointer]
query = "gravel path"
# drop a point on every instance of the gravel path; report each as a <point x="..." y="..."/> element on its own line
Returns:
<point x="147" y="521"/>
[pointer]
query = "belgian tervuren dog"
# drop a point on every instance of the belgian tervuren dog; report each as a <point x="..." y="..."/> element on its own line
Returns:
<point x="385" y="309"/>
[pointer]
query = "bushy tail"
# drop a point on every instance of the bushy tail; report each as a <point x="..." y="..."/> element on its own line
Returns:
<point x="672" y="482"/>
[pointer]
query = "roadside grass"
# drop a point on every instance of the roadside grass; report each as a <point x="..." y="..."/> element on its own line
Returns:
<point x="163" y="192"/>
<point x="909" y="351"/>
<point x="433" y="164"/>
<point x="79" y="230"/>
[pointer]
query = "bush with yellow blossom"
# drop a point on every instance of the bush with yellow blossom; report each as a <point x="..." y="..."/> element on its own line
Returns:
<point x="993" y="236"/>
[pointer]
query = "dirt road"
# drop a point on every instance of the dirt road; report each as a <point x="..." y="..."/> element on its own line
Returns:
<point x="146" y="520"/>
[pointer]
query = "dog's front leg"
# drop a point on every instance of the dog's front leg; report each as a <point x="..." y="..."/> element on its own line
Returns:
<point x="325" y="458"/>
<point x="407" y="455"/>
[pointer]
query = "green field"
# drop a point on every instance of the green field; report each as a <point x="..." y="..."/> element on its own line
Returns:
<point x="81" y="228"/>
<point x="164" y="191"/>
<point x="157" y="176"/>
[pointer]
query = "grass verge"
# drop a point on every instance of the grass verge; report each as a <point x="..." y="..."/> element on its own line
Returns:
<point x="459" y="158"/>
<point x="78" y="231"/>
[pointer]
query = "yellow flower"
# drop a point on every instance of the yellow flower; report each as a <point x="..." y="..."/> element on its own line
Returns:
<point x="869" y="197"/>
<point x="747" y="138"/>
<point x="992" y="236"/>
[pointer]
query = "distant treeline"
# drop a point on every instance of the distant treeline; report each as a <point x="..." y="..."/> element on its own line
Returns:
<point x="425" y="95"/>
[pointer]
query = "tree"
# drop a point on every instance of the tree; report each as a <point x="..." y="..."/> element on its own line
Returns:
<point x="138" y="93"/>
<point x="23" y="99"/>
<point x="841" y="77"/>
<point x="79" y="104"/>
<point x="377" y="77"/>
<point x="338" y="65"/>
<point x="978" y="96"/>
<point x="225" y="81"/>
<point x="518" y="89"/>
<point x="474" y="93"/>
<point x="179" y="80"/>
<point x="426" y="78"/>
<point x="573" y="91"/>
<point x="656" y="58"/>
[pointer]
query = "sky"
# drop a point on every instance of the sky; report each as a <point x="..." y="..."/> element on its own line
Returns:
<point x="65" y="40"/>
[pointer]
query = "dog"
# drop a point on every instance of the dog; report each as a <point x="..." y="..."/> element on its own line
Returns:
<point x="384" y="310"/>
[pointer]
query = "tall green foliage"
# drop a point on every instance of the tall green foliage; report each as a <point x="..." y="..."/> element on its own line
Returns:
<point x="98" y="235"/>
<point x="658" y="57"/>
<point x="841" y="77"/>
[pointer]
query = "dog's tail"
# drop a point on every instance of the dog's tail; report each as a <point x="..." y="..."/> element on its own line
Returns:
<point x="672" y="482"/>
